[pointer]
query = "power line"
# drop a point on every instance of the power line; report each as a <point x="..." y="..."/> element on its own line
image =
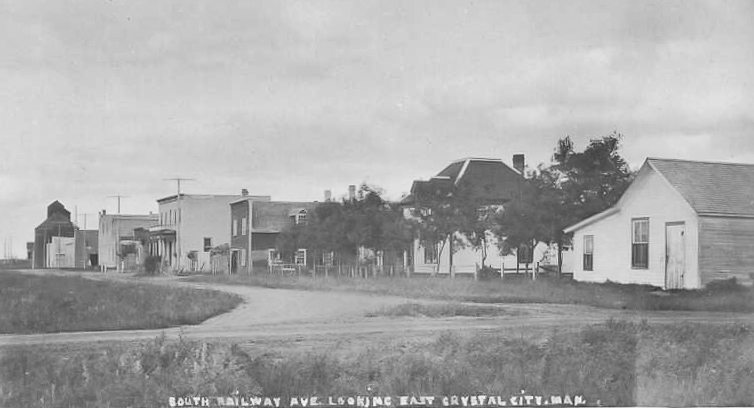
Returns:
<point x="118" y="197"/>
<point x="178" y="180"/>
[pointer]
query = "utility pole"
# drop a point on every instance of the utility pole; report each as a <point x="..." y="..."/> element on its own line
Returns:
<point x="84" y="215"/>
<point x="118" y="197"/>
<point x="180" y="217"/>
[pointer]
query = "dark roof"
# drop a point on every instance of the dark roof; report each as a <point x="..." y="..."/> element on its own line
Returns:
<point x="711" y="187"/>
<point x="274" y="216"/>
<point x="57" y="207"/>
<point x="489" y="179"/>
<point x="57" y="222"/>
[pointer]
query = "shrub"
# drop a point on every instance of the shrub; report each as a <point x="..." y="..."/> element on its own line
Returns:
<point x="488" y="273"/>
<point x="152" y="264"/>
<point x="726" y="285"/>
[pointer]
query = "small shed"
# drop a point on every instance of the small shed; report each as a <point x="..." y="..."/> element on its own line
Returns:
<point x="680" y="225"/>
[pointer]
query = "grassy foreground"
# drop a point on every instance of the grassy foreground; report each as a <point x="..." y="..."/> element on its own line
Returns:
<point x="444" y="310"/>
<point x="46" y="304"/>
<point x="717" y="298"/>
<point x="616" y="363"/>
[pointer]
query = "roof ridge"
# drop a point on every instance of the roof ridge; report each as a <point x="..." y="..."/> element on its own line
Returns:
<point x="492" y="159"/>
<point x="700" y="161"/>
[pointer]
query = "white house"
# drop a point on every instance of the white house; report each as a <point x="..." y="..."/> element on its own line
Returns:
<point x="679" y="225"/>
<point x="491" y="180"/>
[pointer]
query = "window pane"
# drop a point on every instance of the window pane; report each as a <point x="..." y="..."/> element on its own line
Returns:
<point x="639" y="255"/>
<point x="588" y="262"/>
<point x="640" y="231"/>
<point x="588" y="244"/>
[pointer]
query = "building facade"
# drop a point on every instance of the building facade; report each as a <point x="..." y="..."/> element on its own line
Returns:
<point x="679" y="225"/>
<point x="494" y="184"/>
<point x="54" y="239"/>
<point x="190" y="226"/>
<point x="117" y="245"/>
<point x="254" y="228"/>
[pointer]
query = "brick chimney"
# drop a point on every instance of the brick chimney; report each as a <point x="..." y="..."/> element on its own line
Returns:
<point x="244" y="192"/>
<point x="519" y="162"/>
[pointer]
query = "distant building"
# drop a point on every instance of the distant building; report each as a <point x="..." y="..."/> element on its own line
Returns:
<point x="189" y="226"/>
<point x="54" y="239"/>
<point x="255" y="226"/>
<point x="118" y="247"/>
<point x="29" y="251"/>
<point x="87" y="248"/>
<point x="680" y="225"/>
<point x="491" y="181"/>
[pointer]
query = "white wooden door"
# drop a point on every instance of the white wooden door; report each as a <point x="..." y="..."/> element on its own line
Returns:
<point x="675" y="255"/>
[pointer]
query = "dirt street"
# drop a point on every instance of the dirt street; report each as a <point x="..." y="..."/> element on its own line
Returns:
<point x="282" y="314"/>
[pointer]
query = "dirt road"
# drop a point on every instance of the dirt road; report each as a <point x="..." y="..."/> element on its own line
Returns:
<point x="268" y="314"/>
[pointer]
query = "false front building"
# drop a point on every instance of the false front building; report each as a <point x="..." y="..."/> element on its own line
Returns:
<point x="254" y="228"/>
<point x="190" y="226"/>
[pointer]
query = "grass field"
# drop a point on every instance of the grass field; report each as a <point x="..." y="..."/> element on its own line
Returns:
<point x="46" y="304"/>
<point x="723" y="298"/>
<point x="615" y="363"/>
<point x="444" y="310"/>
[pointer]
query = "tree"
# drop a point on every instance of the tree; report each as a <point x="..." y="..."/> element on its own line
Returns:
<point x="476" y="220"/>
<point x="368" y="221"/>
<point x="441" y="213"/>
<point x="575" y="186"/>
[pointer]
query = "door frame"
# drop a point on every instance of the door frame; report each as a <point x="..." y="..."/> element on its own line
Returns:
<point x="667" y="258"/>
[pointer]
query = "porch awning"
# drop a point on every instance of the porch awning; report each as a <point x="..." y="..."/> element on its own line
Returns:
<point x="160" y="231"/>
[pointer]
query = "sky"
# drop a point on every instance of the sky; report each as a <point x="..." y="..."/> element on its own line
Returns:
<point x="291" y="98"/>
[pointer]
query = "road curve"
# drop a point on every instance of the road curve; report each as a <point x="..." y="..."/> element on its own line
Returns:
<point x="268" y="314"/>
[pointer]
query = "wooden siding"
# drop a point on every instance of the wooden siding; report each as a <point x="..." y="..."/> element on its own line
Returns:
<point x="238" y="212"/>
<point x="726" y="249"/>
<point x="649" y="196"/>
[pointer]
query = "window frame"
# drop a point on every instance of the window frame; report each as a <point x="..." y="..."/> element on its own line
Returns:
<point x="435" y="259"/>
<point x="300" y="255"/>
<point x="234" y="228"/>
<point x="244" y="229"/>
<point x="587" y="261"/>
<point x="207" y="248"/>
<point x="637" y="246"/>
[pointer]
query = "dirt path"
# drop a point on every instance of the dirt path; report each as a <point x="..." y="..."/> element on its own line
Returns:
<point x="294" y="314"/>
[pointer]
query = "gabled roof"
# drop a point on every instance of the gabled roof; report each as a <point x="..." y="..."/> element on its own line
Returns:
<point x="711" y="188"/>
<point x="489" y="179"/>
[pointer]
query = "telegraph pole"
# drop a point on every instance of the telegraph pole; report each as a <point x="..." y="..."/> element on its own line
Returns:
<point x="118" y="197"/>
<point x="83" y="215"/>
<point x="180" y="216"/>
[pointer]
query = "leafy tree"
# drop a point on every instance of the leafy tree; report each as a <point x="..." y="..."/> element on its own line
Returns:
<point x="575" y="186"/>
<point x="368" y="221"/>
<point x="476" y="220"/>
<point x="440" y="214"/>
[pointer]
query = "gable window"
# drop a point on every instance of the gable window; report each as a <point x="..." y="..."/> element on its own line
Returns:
<point x="588" y="262"/>
<point x="430" y="252"/>
<point x="301" y="218"/>
<point x="640" y="243"/>
<point x="207" y="244"/>
<point x="243" y="226"/>
<point x="235" y="227"/>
